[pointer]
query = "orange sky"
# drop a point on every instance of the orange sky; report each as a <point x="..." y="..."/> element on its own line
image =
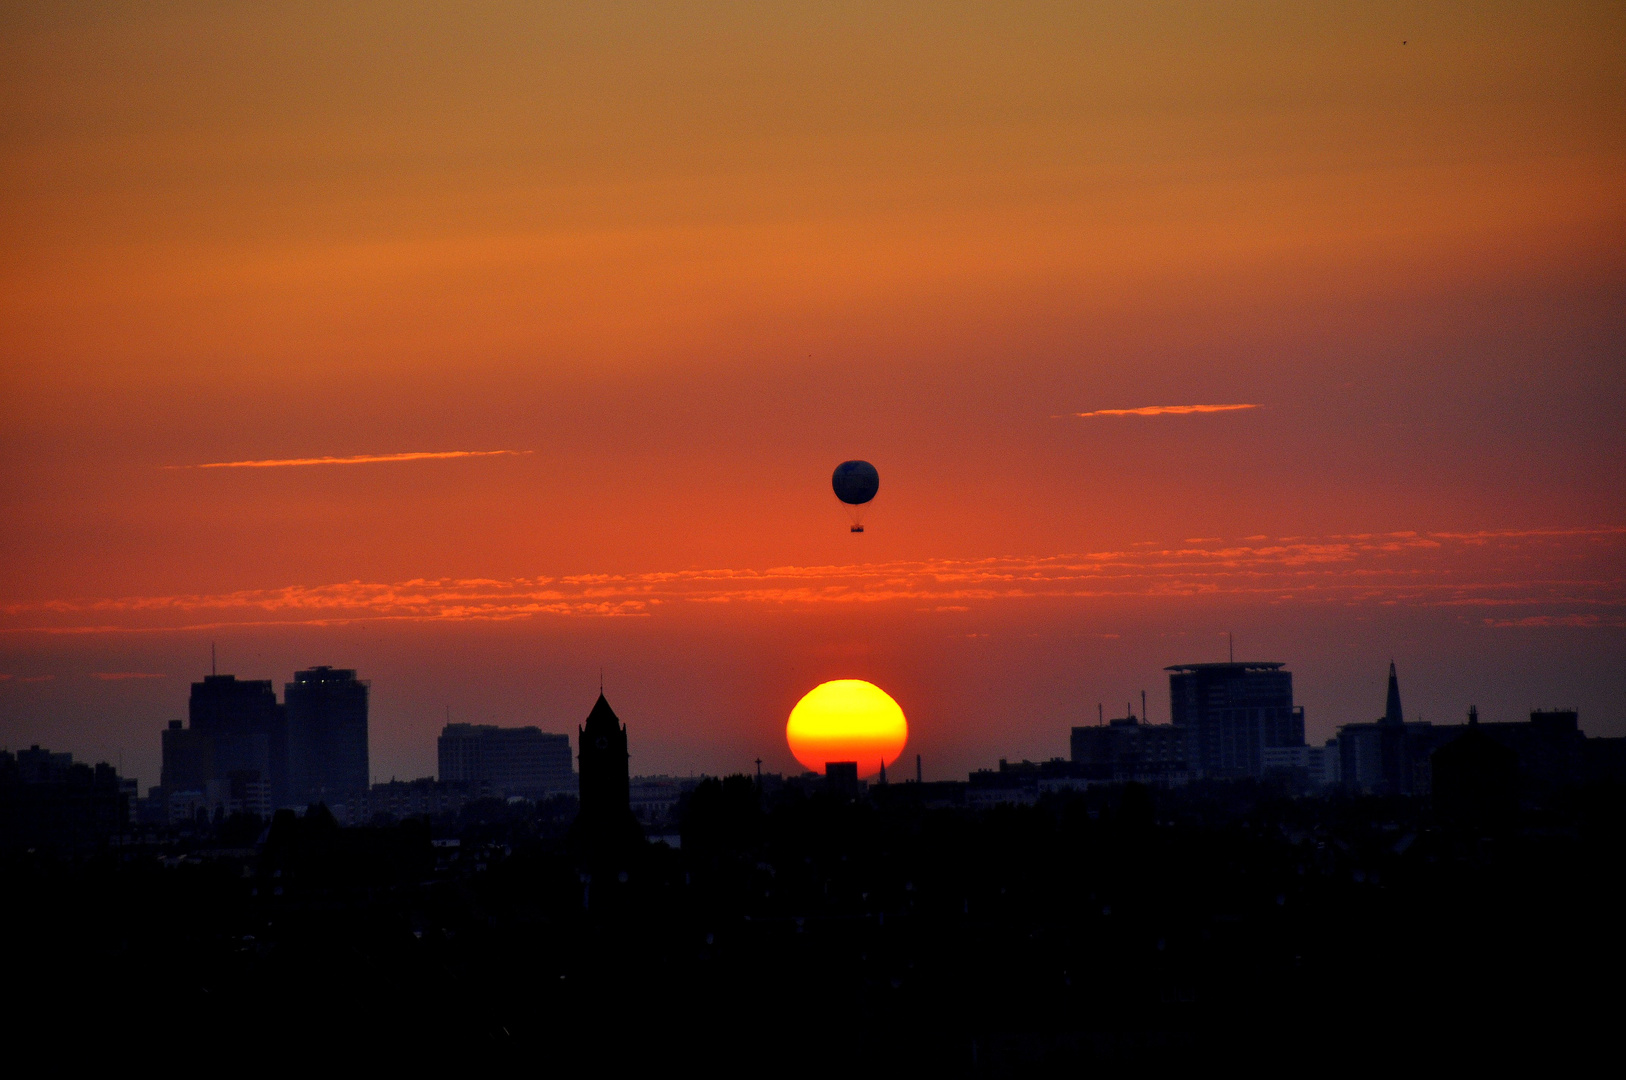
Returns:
<point x="680" y="260"/>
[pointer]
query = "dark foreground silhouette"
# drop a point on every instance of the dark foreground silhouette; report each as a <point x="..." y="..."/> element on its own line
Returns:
<point x="805" y="932"/>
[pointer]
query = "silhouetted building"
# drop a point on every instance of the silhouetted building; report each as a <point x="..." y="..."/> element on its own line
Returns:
<point x="247" y="730"/>
<point x="1309" y="767"/>
<point x="1025" y="782"/>
<point x="1475" y="778"/>
<point x="327" y="734"/>
<point x="1393" y="756"/>
<point x="49" y="800"/>
<point x="36" y="766"/>
<point x="605" y="820"/>
<point x="1126" y="749"/>
<point x="1232" y="713"/>
<point x="425" y="797"/>
<point x="215" y="773"/>
<point x="1389" y="756"/>
<point x="841" y="779"/>
<point x="655" y="799"/>
<point x="505" y="762"/>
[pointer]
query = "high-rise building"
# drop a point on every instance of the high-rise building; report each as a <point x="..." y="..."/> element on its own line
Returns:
<point x="247" y="731"/>
<point x="505" y="762"/>
<point x="327" y="734"/>
<point x="1232" y="712"/>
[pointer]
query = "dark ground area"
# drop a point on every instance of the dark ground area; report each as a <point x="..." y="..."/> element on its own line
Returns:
<point x="1219" y="925"/>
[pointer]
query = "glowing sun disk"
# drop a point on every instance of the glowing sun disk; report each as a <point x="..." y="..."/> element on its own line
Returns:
<point x="847" y="720"/>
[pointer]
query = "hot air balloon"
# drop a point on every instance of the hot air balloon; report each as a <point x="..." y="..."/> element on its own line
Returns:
<point x="856" y="483"/>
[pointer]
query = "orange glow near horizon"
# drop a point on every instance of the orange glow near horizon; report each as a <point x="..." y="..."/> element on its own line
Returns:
<point x="847" y="720"/>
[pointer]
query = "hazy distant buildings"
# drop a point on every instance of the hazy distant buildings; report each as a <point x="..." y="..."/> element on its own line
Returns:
<point x="1232" y="713"/>
<point x="506" y="762"/>
<point x="654" y="799"/>
<point x="1126" y="749"/>
<point x="401" y="799"/>
<point x="327" y="734"/>
<point x="1311" y="767"/>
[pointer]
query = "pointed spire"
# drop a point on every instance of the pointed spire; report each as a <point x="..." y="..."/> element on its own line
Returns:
<point x="1391" y="707"/>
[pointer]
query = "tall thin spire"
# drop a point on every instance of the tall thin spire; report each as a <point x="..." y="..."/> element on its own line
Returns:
<point x="1391" y="707"/>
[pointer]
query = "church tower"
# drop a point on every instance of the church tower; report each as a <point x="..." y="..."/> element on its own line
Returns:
<point x="606" y="806"/>
<point x="1391" y="707"/>
<point x="1392" y="748"/>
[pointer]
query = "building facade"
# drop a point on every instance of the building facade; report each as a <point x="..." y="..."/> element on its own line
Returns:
<point x="1232" y="713"/>
<point x="1126" y="749"/>
<point x="246" y="728"/>
<point x="506" y="762"/>
<point x="327" y="734"/>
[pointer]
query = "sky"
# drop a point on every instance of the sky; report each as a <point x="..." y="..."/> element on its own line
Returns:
<point x="490" y="348"/>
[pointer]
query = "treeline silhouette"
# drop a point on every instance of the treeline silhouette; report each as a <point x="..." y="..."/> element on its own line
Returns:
<point x="804" y="931"/>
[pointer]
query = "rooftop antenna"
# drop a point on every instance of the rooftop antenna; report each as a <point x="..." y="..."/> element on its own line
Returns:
<point x="601" y="681"/>
<point x="917" y="768"/>
<point x="1231" y="640"/>
<point x="1100" y="715"/>
<point x="759" y="772"/>
<point x="212" y="658"/>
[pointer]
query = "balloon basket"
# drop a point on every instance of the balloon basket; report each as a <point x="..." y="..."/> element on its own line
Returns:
<point x="858" y="528"/>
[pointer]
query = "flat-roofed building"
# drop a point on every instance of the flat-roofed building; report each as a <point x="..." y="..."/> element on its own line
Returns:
<point x="1232" y="713"/>
<point x="327" y="734"/>
<point x="506" y="762"/>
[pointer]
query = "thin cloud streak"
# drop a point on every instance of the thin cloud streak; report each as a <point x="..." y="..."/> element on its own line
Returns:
<point x="359" y="459"/>
<point x="1164" y="410"/>
<point x="1565" y="577"/>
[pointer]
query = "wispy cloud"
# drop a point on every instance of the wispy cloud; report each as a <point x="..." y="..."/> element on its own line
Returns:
<point x="1164" y="410"/>
<point x="1585" y="622"/>
<point x="358" y="459"/>
<point x="116" y="676"/>
<point x="1561" y="577"/>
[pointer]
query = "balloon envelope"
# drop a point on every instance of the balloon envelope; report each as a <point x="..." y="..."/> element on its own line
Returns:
<point x="855" y="482"/>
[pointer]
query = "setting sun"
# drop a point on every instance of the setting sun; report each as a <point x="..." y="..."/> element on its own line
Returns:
<point x="847" y="720"/>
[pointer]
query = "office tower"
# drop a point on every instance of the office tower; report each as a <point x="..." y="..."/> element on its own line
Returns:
<point x="245" y="729"/>
<point x="327" y="734"/>
<point x="1232" y="712"/>
<point x="505" y="762"/>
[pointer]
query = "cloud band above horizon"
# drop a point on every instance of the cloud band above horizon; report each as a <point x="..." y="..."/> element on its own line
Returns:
<point x="1164" y="410"/>
<point x="358" y="459"/>
<point x="1510" y="578"/>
